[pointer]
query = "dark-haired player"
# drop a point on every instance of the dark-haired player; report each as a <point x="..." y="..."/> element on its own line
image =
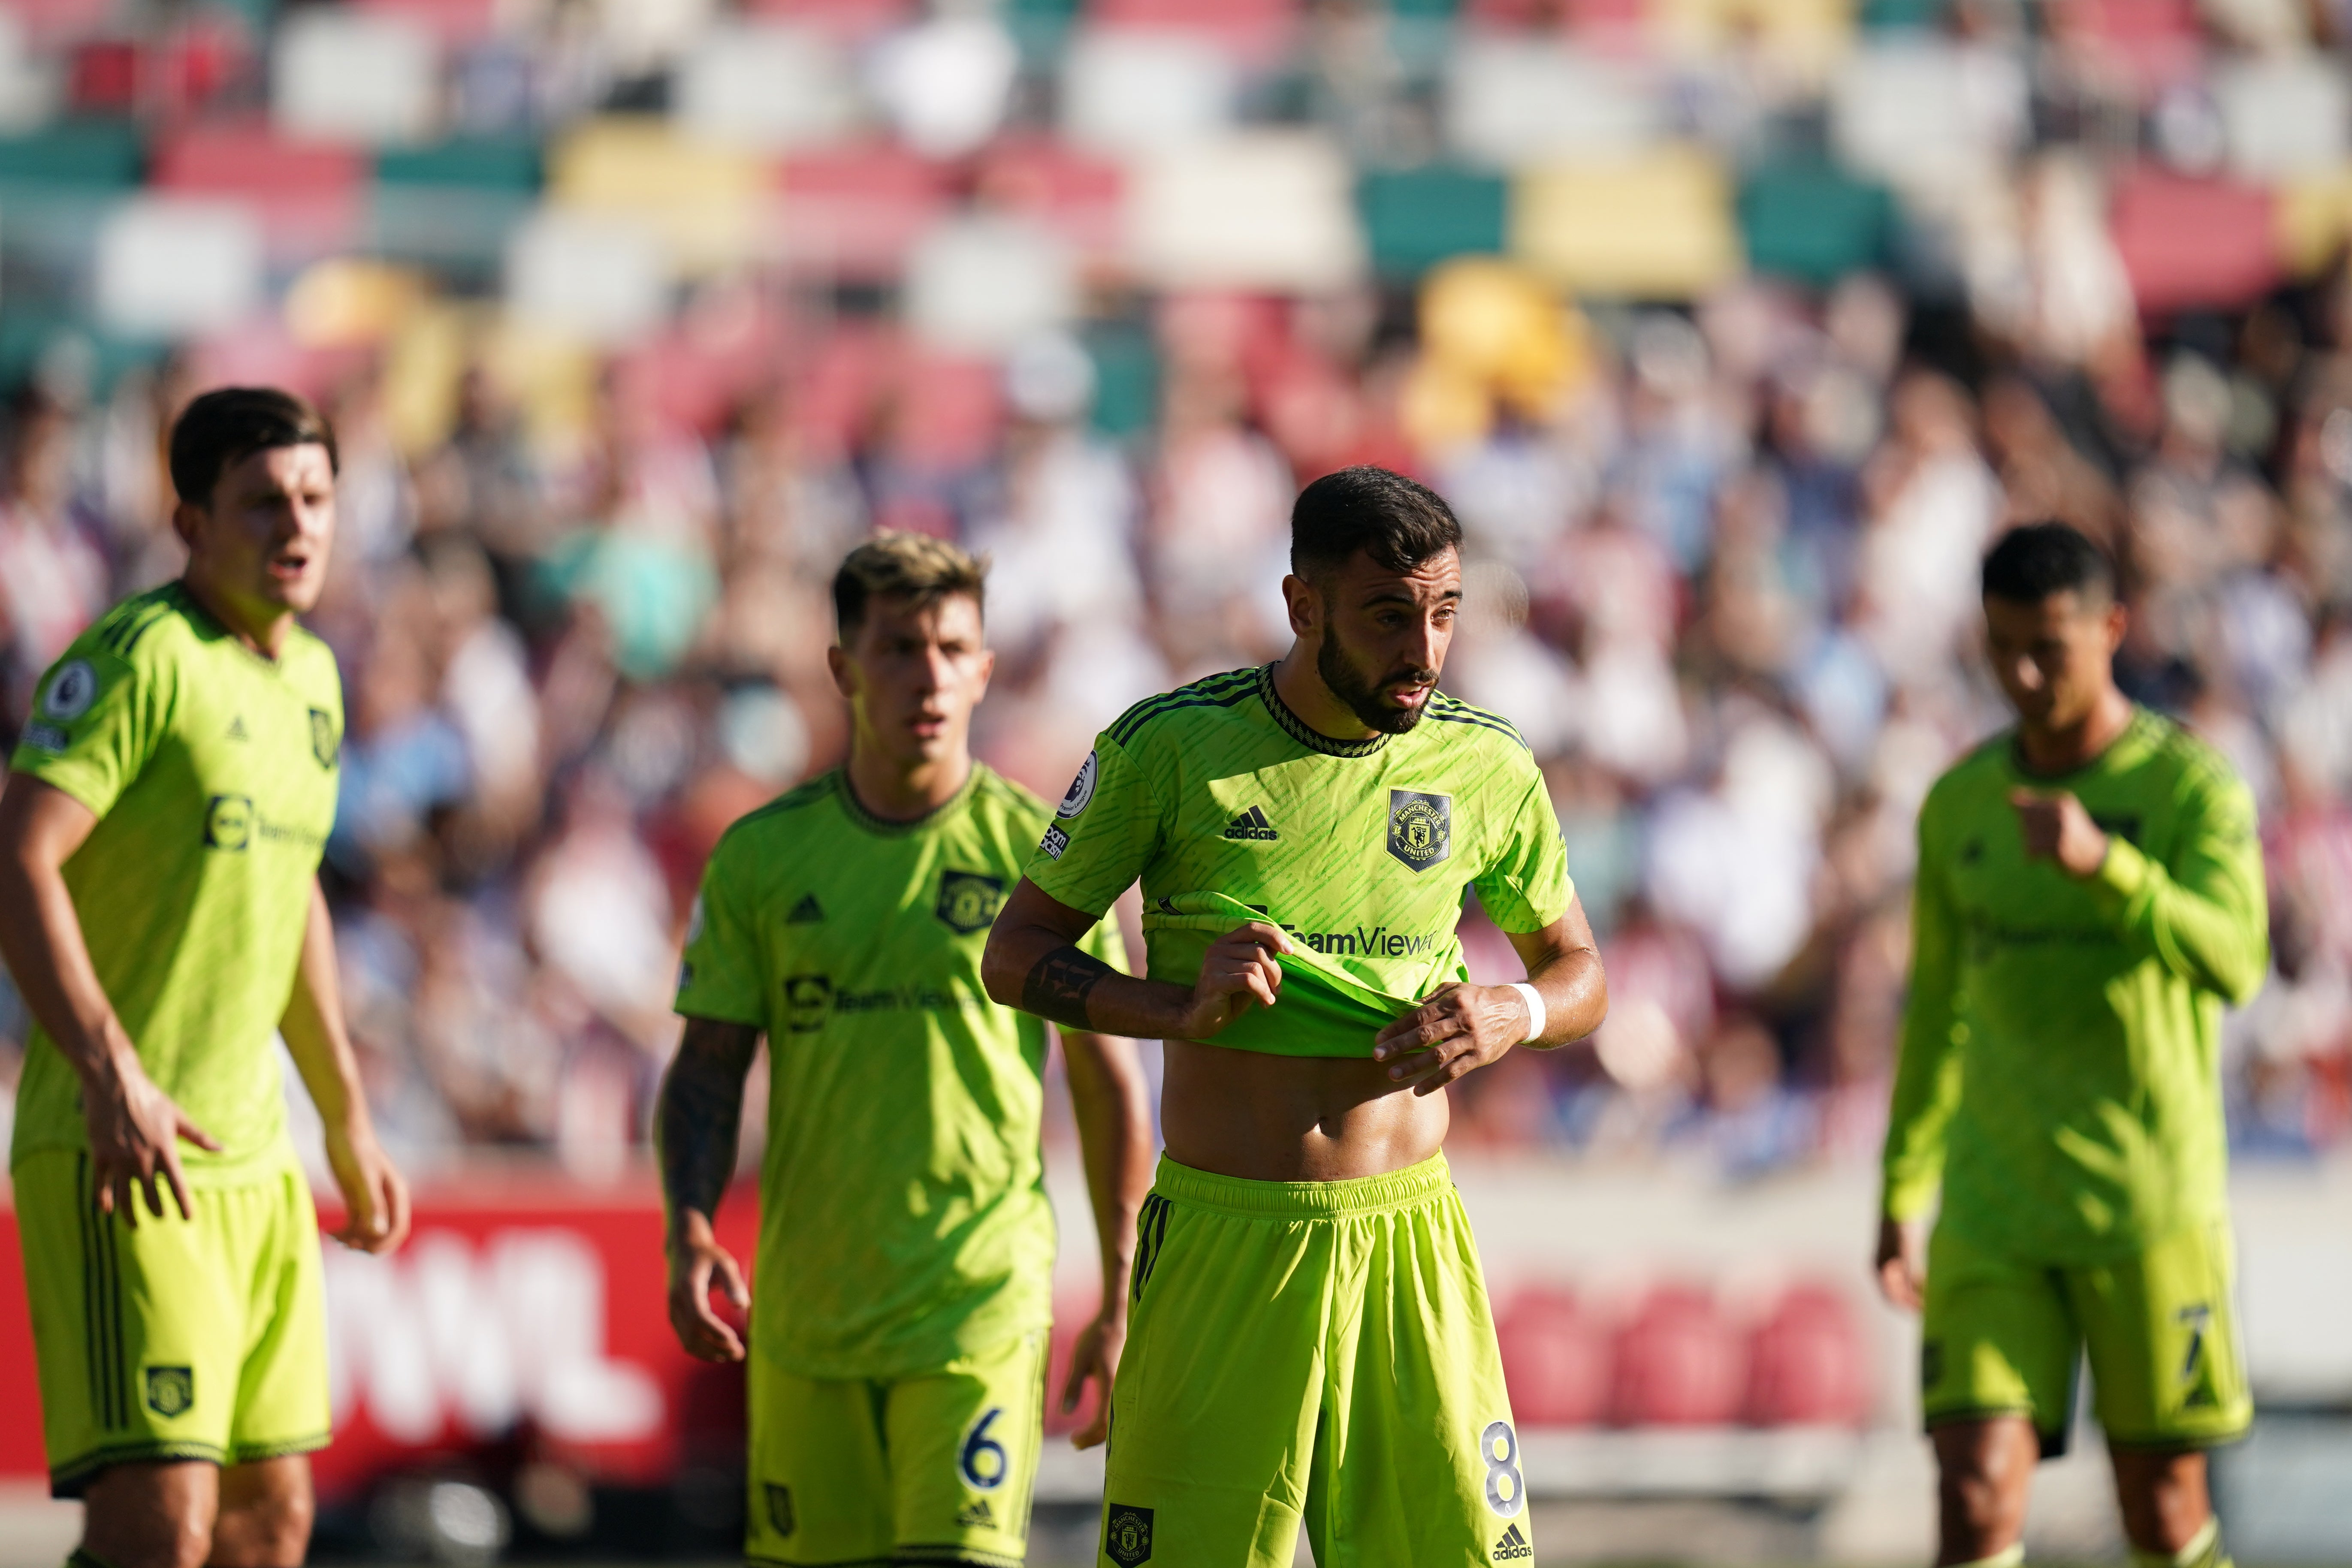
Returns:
<point x="1310" y="1334"/>
<point x="898" y="1334"/>
<point x="160" y="911"/>
<point x="2090" y="895"/>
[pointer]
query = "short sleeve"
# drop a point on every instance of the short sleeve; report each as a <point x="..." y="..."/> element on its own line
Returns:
<point x="96" y="722"/>
<point x="1104" y="943"/>
<point x="720" y="978"/>
<point x="1103" y="834"/>
<point x="1524" y="885"/>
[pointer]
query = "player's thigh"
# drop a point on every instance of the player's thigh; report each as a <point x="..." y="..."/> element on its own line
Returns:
<point x="963" y="1445"/>
<point x="152" y="1513"/>
<point x="265" y="1513"/>
<point x="281" y="1397"/>
<point x="139" y="1331"/>
<point x="1215" y="1409"/>
<point x="1418" y="1460"/>
<point x="1997" y="1338"/>
<point x="2166" y="1366"/>
<point x="818" y="1476"/>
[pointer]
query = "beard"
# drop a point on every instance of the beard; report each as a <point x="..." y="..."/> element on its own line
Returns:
<point x="1362" y="694"/>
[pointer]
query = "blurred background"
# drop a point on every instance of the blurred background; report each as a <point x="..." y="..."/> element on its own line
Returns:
<point x="1734" y="329"/>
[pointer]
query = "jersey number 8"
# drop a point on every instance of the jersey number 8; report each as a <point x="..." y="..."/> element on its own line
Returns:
<point x="1507" y="1489"/>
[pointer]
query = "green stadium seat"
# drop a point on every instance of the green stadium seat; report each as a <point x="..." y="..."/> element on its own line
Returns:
<point x="1415" y="218"/>
<point x="1813" y="222"/>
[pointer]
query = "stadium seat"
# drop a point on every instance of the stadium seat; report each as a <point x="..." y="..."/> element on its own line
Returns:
<point x="2149" y="44"/>
<point x="49" y="23"/>
<point x="1813" y="222"/>
<point x="1555" y="1360"/>
<point x="1678" y="1364"/>
<point x="764" y="85"/>
<point x="2284" y="116"/>
<point x="343" y="75"/>
<point x="1078" y="195"/>
<point x="1510" y="102"/>
<point x="1415" y="218"/>
<point x="848" y="21"/>
<point x="1806" y="1363"/>
<point x="2315" y="220"/>
<point x="454" y="23"/>
<point x="1263" y="209"/>
<point x="1658" y="226"/>
<point x="853" y="212"/>
<point x="72" y="154"/>
<point x="979" y="285"/>
<point x="172" y="266"/>
<point x="1254" y="34"/>
<point x="1131" y="92"/>
<point x="453" y="203"/>
<point x="309" y="196"/>
<point x="708" y="205"/>
<point x="2189" y="244"/>
<point x="597" y="276"/>
<point x="947" y="414"/>
<point x="838" y="388"/>
<point x="164" y="77"/>
<point x="1912" y="109"/>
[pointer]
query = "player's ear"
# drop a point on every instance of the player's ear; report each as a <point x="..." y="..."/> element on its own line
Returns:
<point x="2119" y="621"/>
<point x="187" y="521"/>
<point x="1305" y="604"/>
<point x="844" y="668"/>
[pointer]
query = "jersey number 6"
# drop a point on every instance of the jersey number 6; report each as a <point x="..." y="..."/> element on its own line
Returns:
<point x="983" y="1461"/>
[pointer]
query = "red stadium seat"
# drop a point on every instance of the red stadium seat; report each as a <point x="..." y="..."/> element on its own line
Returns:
<point x="310" y="197"/>
<point x="1807" y="1365"/>
<point x="854" y="212"/>
<point x="456" y="23"/>
<point x="1679" y="1363"/>
<point x="851" y="21"/>
<point x="1555" y="1359"/>
<point x="1253" y="32"/>
<point x="1078" y="195"/>
<point x="47" y="23"/>
<point x="2152" y="44"/>
<point x="2194" y="242"/>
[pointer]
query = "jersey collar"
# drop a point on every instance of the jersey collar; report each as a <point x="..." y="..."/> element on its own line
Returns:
<point x="884" y="827"/>
<point x="1306" y="735"/>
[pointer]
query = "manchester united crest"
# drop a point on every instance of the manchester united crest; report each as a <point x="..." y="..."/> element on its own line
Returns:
<point x="969" y="901"/>
<point x="1420" y="827"/>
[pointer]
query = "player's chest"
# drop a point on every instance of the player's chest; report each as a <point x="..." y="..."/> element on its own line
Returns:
<point x="1406" y="830"/>
<point x="922" y="913"/>
<point x="257" y="762"/>
<point x="1996" y="883"/>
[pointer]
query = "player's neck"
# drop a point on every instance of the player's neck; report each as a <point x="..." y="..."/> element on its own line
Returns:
<point x="904" y="793"/>
<point x="265" y="635"/>
<point x="1300" y="686"/>
<point x="2065" y="749"/>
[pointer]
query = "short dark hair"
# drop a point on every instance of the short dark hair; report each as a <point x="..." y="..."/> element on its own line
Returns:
<point x="1397" y="521"/>
<point x="229" y="424"/>
<point x="894" y="565"/>
<point x="2034" y="560"/>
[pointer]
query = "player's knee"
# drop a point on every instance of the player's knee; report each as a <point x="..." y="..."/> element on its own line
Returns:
<point x="269" y="1531"/>
<point x="163" y="1538"/>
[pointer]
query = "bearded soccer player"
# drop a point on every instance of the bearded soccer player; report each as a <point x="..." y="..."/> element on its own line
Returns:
<point x="897" y="1334"/>
<point x="2089" y="897"/>
<point x="1311" y="1337"/>
<point x="160" y="911"/>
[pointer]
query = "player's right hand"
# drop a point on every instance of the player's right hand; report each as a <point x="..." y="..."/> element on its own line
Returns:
<point x="1238" y="969"/>
<point x="695" y="1262"/>
<point x="1902" y="1262"/>
<point x="134" y="1142"/>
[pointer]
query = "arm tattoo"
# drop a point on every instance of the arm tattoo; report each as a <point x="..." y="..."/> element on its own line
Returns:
<point x="702" y="1112"/>
<point x="1058" y="987"/>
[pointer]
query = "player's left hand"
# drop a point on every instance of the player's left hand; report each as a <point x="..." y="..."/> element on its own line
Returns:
<point x="1095" y="1357"/>
<point x="1457" y="1030"/>
<point x="2057" y="827"/>
<point x="375" y="1198"/>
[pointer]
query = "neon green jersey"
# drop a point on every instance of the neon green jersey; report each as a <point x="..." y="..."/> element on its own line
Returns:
<point x="211" y="771"/>
<point x="903" y="1222"/>
<point x="1231" y="808"/>
<point x="2060" y="1072"/>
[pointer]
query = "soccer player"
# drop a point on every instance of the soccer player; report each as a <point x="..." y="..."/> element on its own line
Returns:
<point x="1310" y="1334"/>
<point x="2089" y="895"/>
<point x="160" y="911"/>
<point x="897" y="1336"/>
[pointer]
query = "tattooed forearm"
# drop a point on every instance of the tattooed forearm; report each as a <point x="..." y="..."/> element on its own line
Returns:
<point x="1058" y="987"/>
<point x="702" y="1112"/>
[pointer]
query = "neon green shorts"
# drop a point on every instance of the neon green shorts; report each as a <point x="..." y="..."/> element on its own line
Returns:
<point x="936" y="1467"/>
<point x="2004" y="1338"/>
<point x="175" y="1339"/>
<point x="1320" y="1351"/>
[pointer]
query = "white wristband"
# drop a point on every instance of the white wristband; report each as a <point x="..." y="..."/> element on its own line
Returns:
<point x="1535" y="1010"/>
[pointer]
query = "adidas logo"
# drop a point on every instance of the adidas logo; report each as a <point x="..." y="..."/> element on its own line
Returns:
<point x="1251" y="824"/>
<point x="807" y="912"/>
<point x="1512" y="1545"/>
<point x="237" y="728"/>
<point x="976" y="1516"/>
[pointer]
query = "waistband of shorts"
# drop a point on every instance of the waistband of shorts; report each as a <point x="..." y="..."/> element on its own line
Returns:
<point x="1392" y="1190"/>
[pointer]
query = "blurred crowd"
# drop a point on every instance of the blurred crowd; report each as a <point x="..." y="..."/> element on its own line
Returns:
<point x="1721" y="571"/>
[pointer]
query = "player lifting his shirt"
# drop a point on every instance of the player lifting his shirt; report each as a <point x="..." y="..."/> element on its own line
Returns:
<point x="906" y="1254"/>
<point x="1310" y="1335"/>
<point x="2089" y="896"/>
<point x="160" y="909"/>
